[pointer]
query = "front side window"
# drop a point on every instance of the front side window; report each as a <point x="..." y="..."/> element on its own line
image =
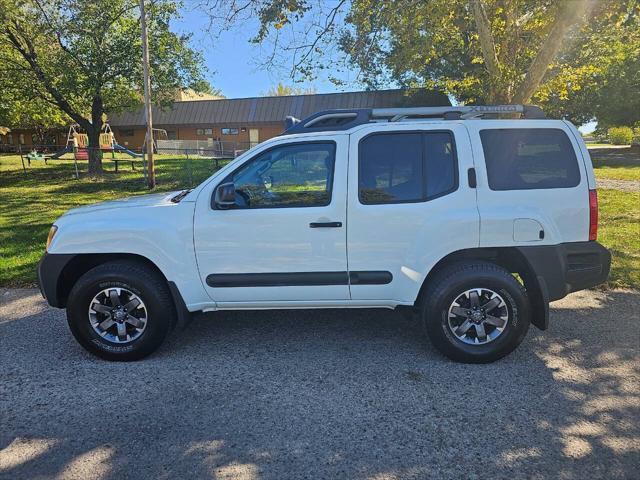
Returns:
<point x="529" y="158"/>
<point x="406" y="167"/>
<point x="298" y="175"/>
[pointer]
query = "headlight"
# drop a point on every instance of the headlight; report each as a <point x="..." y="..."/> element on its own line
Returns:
<point x="52" y="232"/>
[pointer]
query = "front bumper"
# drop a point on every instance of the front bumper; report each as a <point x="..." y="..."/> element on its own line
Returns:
<point x="50" y="277"/>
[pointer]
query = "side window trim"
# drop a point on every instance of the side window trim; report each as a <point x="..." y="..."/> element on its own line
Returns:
<point x="330" y="174"/>
<point x="423" y="134"/>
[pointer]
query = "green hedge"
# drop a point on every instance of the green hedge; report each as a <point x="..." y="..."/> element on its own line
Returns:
<point x="620" y="135"/>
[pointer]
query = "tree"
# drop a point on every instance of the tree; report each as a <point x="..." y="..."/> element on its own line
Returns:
<point x="83" y="58"/>
<point x="282" y="90"/>
<point x="478" y="51"/>
<point x="29" y="112"/>
<point x="599" y="78"/>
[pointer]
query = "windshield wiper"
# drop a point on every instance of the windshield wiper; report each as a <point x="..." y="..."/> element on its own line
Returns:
<point x="180" y="196"/>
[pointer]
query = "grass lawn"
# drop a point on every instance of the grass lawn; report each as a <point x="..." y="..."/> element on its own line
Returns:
<point x="31" y="201"/>
<point x="616" y="163"/>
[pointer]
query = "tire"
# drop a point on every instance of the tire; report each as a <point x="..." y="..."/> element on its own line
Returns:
<point x="494" y="328"/>
<point x="132" y="282"/>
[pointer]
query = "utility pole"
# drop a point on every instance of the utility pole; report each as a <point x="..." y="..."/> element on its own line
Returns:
<point x="147" y="96"/>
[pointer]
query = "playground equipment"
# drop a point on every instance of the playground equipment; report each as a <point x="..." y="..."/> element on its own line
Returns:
<point x="78" y="143"/>
<point x="158" y="135"/>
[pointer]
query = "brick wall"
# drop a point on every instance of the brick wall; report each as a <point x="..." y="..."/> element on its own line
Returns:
<point x="134" y="137"/>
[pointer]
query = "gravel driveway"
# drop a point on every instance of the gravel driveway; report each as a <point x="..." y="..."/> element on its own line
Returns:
<point x="322" y="394"/>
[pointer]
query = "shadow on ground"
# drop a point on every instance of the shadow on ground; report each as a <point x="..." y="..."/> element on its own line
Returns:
<point x="322" y="394"/>
<point x="615" y="157"/>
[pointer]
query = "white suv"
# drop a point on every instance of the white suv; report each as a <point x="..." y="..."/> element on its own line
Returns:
<point x="474" y="223"/>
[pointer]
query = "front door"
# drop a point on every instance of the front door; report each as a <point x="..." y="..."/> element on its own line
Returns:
<point x="254" y="137"/>
<point x="285" y="238"/>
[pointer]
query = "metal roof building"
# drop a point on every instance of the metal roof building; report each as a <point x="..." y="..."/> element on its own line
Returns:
<point x="245" y="111"/>
<point x="244" y="122"/>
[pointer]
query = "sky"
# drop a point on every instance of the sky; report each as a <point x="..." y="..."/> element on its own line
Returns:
<point x="231" y="61"/>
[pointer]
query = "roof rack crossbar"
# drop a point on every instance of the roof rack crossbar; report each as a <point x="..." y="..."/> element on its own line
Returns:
<point x="349" y="118"/>
<point x="466" y="111"/>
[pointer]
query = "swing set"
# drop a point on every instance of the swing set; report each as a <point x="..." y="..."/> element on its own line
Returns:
<point x="78" y="143"/>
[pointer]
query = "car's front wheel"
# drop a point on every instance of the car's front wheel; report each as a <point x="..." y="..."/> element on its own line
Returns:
<point x="475" y="312"/>
<point x="120" y="310"/>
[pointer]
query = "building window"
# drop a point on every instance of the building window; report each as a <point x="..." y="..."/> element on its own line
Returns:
<point x="21" y="137"/>
<point x="127" y="133"/>
<point x="229" y="131"/>
<point x="208" y="131"/>
<point x="10" y="139"/>
<point x="172" y="135"/>
<point x="199" y="131"/>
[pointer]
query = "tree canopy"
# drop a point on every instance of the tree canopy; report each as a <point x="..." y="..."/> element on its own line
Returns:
<point x="569" y="56"/>
<point x="282" y="90"/>
<point x="84" y="58"/>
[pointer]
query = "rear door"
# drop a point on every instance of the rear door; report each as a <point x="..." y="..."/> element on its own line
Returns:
<point x="532" y="183"/>
<point x="409" y="205"/>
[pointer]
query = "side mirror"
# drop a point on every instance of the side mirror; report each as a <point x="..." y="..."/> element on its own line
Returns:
<point x="224" y="196"/>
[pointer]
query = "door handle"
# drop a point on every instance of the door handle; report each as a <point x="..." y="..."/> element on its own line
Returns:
<point x="325" y="224"/>
<point x="471" y="176"/>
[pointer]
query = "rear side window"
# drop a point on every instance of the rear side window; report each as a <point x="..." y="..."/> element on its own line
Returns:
<point x="406" y="167"/>
<point x="529" y="158"/>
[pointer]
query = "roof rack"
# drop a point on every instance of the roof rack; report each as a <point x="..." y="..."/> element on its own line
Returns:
<point x="345" y="119"/>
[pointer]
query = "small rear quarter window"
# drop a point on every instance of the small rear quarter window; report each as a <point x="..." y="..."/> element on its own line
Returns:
<point x="529" y="158"/>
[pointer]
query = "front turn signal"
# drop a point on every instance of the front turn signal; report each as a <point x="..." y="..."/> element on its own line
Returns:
<point x="52" y="232"/>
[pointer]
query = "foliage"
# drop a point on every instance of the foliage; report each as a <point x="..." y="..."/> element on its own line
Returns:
<point x="84" y="57"/>
<point x="282" y="90"/>
<point x="599" y="77"/>
<point x="620" y="135"/>
<point x="578" y="59"/>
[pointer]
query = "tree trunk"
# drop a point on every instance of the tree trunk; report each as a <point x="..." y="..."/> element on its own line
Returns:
<point x="487" y="44"/>
<point x="93" y="130"/>
<point x="95" y="155"/>
<point x="568" y="15"/>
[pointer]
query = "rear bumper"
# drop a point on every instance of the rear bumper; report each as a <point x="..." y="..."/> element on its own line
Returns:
<point x="50" y="270"/>
<point x="568" y="267"/>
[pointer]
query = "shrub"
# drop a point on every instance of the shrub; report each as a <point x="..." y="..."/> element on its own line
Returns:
<point x="620" y="135"/>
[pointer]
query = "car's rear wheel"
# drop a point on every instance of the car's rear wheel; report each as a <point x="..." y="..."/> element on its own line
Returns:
<point x="475" y="312"/>
<point x="120" y="310"/>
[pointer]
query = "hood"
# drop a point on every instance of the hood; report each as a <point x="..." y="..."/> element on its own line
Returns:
<point x="151" y="200"/>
